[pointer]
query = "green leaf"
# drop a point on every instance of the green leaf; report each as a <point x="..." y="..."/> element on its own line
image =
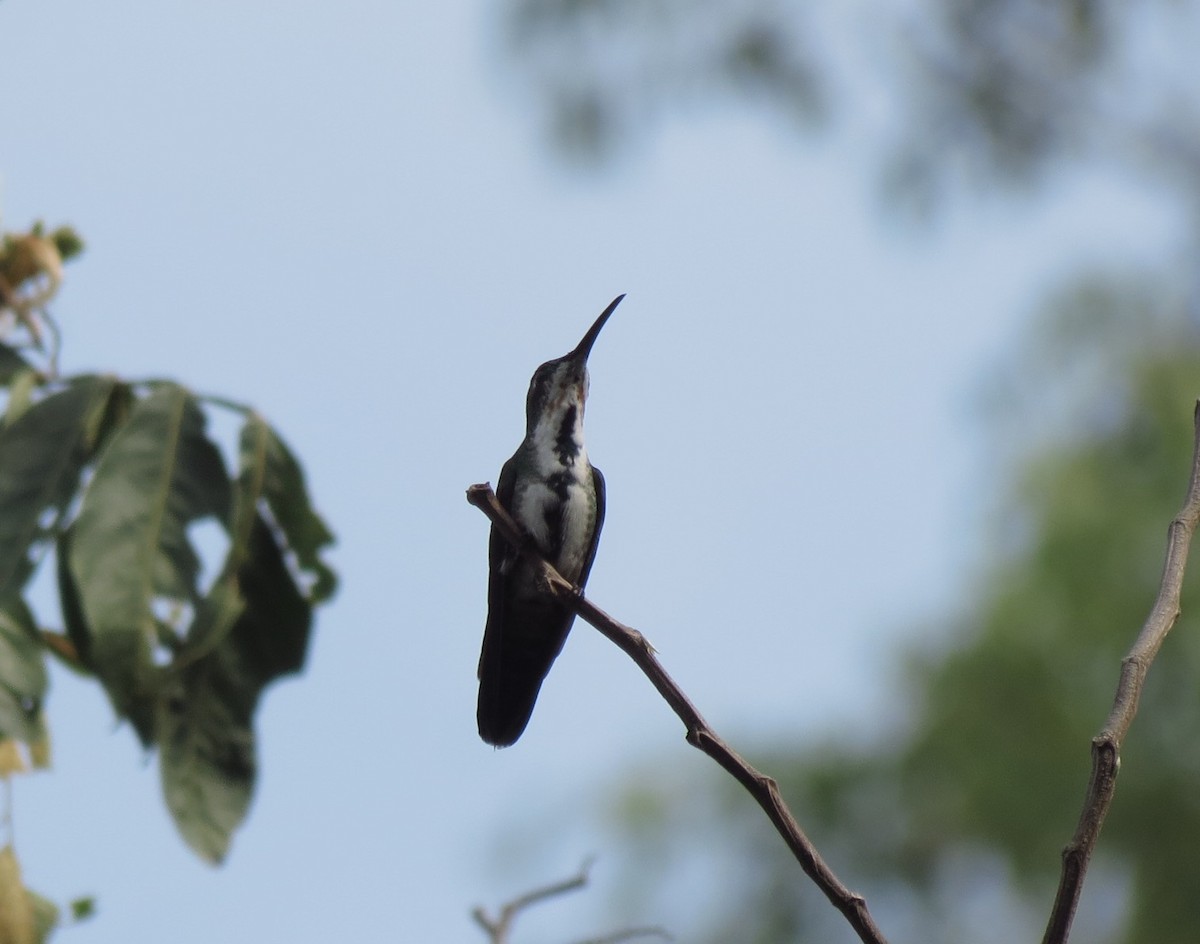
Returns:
<point x="208" y="758"/>
<point x="129" y="548"/>
<point x="68" y="242"/>
<point x="101" y="423"/>
<point x="221" y="607"/>
<point x="272" y="634"/>
<point x="215" y="616"/>
<point x="22" y="672"/>
<point x="252" y="627"/>
<point x="267" y="473"/>
<point x="206" y="723"/>
<point x="11" y="363"/>
<point x="68" y="598"/>
<point x="21" y="386"/>
<point x="82" y="908"/>
<point x="41" y="456"/>
<point x="39" y="745"/>
<point x="268" y="468"/>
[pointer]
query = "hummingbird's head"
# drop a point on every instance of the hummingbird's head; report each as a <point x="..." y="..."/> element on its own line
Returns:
<point x="562" y="383"/>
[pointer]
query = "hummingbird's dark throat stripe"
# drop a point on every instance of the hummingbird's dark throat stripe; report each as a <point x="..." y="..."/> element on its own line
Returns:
<point x="564" y="443"/>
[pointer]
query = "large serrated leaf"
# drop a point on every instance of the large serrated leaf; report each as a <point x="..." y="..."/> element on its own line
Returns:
<point x="157" y="474"/>
<point x="265" y="458"/>
<point x="22" y="672"/>
<point x="206" y="733"/>
<point x="41" y="456"/>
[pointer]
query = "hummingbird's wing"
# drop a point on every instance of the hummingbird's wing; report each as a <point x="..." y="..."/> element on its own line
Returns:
<point x="511" y="665"/>
<point x="524" y="634"/>
<point x="598" y="481"/>
<point x="502" y="557"/>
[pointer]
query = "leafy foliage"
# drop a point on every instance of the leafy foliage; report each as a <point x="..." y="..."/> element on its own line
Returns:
<point x="130" y="549"/>
<point x="113" y="477"/>
<point x="205" y="725"/>
<point x="270" y="473"/>
<point x="42" y="453"/>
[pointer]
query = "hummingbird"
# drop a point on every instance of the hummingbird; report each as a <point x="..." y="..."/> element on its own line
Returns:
<point x="557" y="496"/>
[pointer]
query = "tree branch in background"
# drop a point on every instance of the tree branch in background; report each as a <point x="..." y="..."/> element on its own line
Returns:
<point x="699" y="734"/>
<point x="1106" y="745"/>
<point x="498" y="930"/>
<point x="630" y="934"/>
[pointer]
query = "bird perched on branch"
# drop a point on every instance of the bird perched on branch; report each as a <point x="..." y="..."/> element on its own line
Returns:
<point x="557" y="496"/>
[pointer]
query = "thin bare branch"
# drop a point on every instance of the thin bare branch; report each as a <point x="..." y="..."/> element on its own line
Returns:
<point x="629" y="934"/>
<point x="699" y="733"/>
<point x="1106" y="746"/>
<point x="499" y="929"/>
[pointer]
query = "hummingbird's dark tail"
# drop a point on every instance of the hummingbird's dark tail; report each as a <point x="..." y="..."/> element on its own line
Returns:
<point x="517" y="655"/>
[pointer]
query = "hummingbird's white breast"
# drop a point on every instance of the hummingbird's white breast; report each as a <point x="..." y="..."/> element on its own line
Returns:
<point x="544" y="513"/>
<point x="557" y="504"/>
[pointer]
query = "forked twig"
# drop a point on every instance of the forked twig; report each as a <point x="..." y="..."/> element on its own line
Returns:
<point x="699" y="734"/>
<point x="1106" y="745"/>
<point x="499" y="928"/>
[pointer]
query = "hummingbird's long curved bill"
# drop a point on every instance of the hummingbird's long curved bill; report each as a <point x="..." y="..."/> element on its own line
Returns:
<point x="584" y="347"/>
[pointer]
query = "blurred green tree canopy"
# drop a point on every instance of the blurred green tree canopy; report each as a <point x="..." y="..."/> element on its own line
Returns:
<point x="976" y="91"/>
<point x="966" y="808"/>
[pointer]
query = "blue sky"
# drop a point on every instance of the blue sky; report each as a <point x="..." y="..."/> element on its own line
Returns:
<point x="343" y="214"/>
